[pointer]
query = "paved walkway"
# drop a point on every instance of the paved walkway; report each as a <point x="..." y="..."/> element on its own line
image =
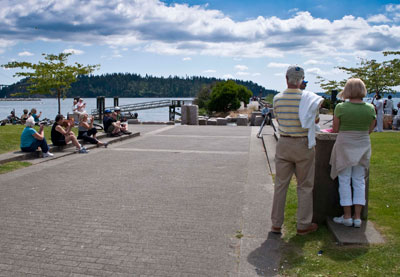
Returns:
<point x="171" y="202"/>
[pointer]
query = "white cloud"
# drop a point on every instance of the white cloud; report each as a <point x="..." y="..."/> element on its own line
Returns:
<point x="25" y="54"/>
<point x="242" y="73"/>
<point x="379" y="18"/>
<point x="314" y="71"/>
<point x="227" y="76"/>
<point x="241" y="67"/>
<point x="187" y="59"/>
<point x="73" y="51"/>
<point x="278" y="65"/>
<point x="392" y="8"/>
<point x="341" y="59"/>
<point x="319" y="71"/>
<point x="308" y="62"/>
<point x="209" y="71"/>
<point x="181" y="29"/>
<point x="256" y="74"/>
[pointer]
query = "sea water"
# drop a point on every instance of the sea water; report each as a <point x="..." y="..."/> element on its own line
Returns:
<point x="49" y="107"/>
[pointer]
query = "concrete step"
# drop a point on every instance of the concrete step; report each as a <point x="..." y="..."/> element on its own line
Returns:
<point x="63" y="150"/>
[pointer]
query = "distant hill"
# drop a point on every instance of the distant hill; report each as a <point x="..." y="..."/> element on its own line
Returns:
<point x="135" y="85"/>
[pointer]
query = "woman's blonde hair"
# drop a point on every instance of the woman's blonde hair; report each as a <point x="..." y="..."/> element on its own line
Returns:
<point x="354" y="89"/>
<point x="82" y="115"/>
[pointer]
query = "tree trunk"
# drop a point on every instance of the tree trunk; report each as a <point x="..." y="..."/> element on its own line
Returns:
<point x="59" y="101"/>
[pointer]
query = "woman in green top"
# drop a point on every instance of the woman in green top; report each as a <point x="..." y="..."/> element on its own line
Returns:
<point x="354" y="120"/>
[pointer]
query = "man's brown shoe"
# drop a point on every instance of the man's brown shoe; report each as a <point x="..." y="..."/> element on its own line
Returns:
<point x="276" y="230"/>
<point x="311" y="228"/>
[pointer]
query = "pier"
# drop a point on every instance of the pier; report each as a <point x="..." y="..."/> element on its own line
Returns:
<point x="173" y="105"/>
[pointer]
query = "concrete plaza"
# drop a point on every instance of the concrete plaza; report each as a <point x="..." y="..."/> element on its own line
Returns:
<point x="176" y="201"/>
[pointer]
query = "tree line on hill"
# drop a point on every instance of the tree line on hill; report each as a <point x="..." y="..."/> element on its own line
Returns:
<point x="135" y="85"/>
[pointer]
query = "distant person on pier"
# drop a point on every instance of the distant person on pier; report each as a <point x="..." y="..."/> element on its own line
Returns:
<point x="81" y="106"/>
<point x="61" y="134"/>
<point x="24" y="117"/>
<point x="75" y="107"/>
<point x="31" y="140"/>
<point x="35" y="115"/>
<point x="87" y="132"/>
<point x="379" y="113"/>
<point x="389" y="105"/>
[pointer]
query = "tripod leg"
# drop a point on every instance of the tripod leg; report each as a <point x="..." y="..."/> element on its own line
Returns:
<point x="261" y="127"/>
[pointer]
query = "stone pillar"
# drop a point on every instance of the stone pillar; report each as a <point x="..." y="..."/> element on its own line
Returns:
<point x="326" y="199"/>
<point x="253" y="118"/>
<point x="190" y="114"/>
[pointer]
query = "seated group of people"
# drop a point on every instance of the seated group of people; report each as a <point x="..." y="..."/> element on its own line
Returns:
<point x="114" y="124"/>
<point x="13" y="119"/>
<point x="61" y="134"/>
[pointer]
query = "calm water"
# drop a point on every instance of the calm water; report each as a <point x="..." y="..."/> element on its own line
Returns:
<point x="49" y="107"/>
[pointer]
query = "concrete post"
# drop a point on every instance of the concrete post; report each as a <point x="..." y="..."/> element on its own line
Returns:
<point x="190" y="114"/>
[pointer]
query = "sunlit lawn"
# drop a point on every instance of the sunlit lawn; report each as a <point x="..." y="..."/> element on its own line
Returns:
<point x="301" y="253"/>
<point x="10" y="137"/>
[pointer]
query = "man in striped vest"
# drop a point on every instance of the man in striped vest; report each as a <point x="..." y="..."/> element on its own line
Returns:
<point x="293" y="156"/>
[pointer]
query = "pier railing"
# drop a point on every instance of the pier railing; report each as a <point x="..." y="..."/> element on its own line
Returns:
<point x="172" y="104"/>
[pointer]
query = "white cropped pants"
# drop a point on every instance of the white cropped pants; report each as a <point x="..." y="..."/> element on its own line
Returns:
<point x="357" y="175"/>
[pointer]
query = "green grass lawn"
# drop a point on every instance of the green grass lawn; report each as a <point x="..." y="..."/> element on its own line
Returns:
<point x="7" y="167"/>
<point x="10" y="136"/>
<point x="301" y="252"/>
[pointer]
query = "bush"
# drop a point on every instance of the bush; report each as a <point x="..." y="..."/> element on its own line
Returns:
<point x="224" y="97"/>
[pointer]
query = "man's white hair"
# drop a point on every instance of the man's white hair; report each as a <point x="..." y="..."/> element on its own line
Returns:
<point x="295" y="75"/>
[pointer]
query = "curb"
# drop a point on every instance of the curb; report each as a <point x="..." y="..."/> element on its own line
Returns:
<point x="20" y="156"/>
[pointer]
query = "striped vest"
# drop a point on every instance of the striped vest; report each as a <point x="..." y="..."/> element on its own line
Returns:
<point x="286" y="110"/>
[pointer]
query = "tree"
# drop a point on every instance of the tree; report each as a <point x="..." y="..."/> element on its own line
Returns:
<point x="53" y="76"/>
<point x="244" y="94"/>
<point x="203" y="96"/>
<point x="224" y="97"/>
<point x="329" y="85"/>
<point x="378" y="77"/>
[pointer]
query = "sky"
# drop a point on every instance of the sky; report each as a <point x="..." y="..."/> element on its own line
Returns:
<point x="229" y="39"/>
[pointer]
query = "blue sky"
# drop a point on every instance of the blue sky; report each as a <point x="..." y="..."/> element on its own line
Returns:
<point x="248" y="40"/>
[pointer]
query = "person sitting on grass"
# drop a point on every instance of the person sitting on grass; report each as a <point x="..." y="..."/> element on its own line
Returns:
<point x="32" y="140"/>
<point x="110" y="124"/>
<point x="12" y="118"/>
<point x="87" y="132"/>
<point x="61" y="134"/>
<point x="35" y="115"/>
